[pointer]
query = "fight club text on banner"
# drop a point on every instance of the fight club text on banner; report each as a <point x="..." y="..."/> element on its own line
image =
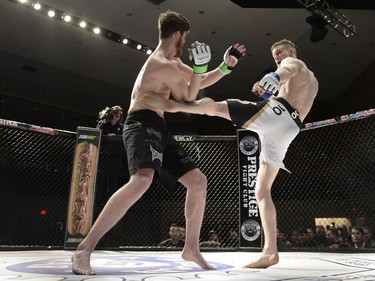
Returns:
<point x="248" y="146"/>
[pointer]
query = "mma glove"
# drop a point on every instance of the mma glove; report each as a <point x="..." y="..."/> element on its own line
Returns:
<point x="270" y="83"/>
<point x="200" y="56"/>
<point x="232" y="51"/>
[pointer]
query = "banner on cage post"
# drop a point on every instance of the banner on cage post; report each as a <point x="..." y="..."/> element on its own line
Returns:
<point x="248" y="147"/>
<point x="82" y="189"/>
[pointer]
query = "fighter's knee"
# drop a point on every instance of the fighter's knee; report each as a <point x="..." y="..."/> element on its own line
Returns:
<point x="143" y="178"/>
<point x="262" y="193"/>
<point x="202" y="181"/>
<point x="198" y="183"/>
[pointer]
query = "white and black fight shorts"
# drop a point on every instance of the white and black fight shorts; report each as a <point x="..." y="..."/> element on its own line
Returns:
<point x="275" y="121"/>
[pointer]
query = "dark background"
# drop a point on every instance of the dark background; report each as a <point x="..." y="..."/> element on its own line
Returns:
<point x="57" y="75"/>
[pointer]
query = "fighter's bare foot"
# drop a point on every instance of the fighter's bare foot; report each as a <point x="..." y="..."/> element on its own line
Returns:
<point x="264" y="261"/>
<point x="81" y="263"/>
<point x="197" y="258"/>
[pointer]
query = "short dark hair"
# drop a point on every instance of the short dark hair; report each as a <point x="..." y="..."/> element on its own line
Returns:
<point x="170" y="22"/>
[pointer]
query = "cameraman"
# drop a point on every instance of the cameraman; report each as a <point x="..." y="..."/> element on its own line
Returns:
<point x="111" y="123"/>
<point x="112" y="169"/>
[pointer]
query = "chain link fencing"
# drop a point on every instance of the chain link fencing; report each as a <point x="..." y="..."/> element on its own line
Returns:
<point x="332" y="183"/>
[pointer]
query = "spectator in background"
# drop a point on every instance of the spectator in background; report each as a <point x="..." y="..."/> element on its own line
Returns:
<point x="345" y="237"/>
<point x="294" y="238"/>
<point x="304" y="240"/>
<point x="212" y="240"/>
<point x="183" y="232"/>
<point x="311" y="233"/>
<point x="174" y="240"/>
<point x="110" y="121"/>
<point x="233" y="238"/>
<point x="282" y="241"/>
<point x="358" y="237"/>
<point x="320" y="235"/>
<point x="334" y="239"/>
<point x="369" y="239"/>
<point x="112" y="169"/>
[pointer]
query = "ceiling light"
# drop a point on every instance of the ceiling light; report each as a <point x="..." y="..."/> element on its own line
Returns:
<point x="77" y="22"/>
<point x="51" y="13"/>
<point x="82" y="24"/>
<point x="67" y="18"/>
<point x="37" y="6"/>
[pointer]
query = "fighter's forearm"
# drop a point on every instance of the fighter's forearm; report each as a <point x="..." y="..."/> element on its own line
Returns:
<point x="193" y="89"/>
<point x="211" y="78"/>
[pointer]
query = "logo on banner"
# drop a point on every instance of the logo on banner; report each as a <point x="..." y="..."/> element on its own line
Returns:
<point x="250" y="230"/>
<point x="249" y="145"/>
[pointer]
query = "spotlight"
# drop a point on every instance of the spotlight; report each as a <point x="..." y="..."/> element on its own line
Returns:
<point x="318" y="29"/>
<point x="51" y="13"/>
<point x="62" y="16"/>
<point x="37" y="6"/>
<point x="67" y="18"/>
<point x="82" y="24"/>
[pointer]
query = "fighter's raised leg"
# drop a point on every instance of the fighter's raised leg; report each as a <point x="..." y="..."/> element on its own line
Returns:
<point x="205" y="106"/>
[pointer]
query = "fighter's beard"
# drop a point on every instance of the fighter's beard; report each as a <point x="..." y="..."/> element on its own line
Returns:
<point x="178" y="49"/>
<point x="178" y="53"/>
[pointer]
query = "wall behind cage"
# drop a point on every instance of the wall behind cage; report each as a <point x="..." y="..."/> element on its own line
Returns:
<point x="332" y="177"/>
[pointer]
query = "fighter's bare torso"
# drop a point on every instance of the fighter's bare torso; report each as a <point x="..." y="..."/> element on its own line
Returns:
<point x="148" y="86"/>
<point x="301" y="89"/>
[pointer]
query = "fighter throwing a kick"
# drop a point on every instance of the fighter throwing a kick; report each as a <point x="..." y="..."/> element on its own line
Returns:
<point x="277" y="120"/>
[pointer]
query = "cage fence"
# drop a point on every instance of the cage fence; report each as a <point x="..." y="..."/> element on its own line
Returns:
<point x="331" y="184"/>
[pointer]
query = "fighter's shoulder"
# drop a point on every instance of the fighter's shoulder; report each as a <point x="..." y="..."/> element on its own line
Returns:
<point x="295" y="62"/>
<point x="291" y="60"/>
<point x="161" y="63"/>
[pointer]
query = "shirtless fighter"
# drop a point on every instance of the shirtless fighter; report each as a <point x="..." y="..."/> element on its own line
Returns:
<point x="277" y="120"/>
<point x="150" y="148"/>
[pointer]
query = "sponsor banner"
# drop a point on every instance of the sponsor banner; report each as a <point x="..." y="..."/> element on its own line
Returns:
<point x="82" y="189"/>
<point x="183" y="138"/>
<point x="343" y="118"/>
<point x="28" y="127"/>
<point x="248" y="146"/>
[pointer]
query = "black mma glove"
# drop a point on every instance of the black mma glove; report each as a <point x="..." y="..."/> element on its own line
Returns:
<point x="232" y="51"/>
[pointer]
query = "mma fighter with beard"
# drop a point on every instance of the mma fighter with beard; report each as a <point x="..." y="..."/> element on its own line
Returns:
<point x="150" y="148"/>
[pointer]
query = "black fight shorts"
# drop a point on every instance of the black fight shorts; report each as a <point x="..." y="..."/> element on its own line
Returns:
<point x="149" y="145"/>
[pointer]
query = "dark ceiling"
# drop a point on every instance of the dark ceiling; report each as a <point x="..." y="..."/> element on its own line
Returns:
<point x="57" y="75"/>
